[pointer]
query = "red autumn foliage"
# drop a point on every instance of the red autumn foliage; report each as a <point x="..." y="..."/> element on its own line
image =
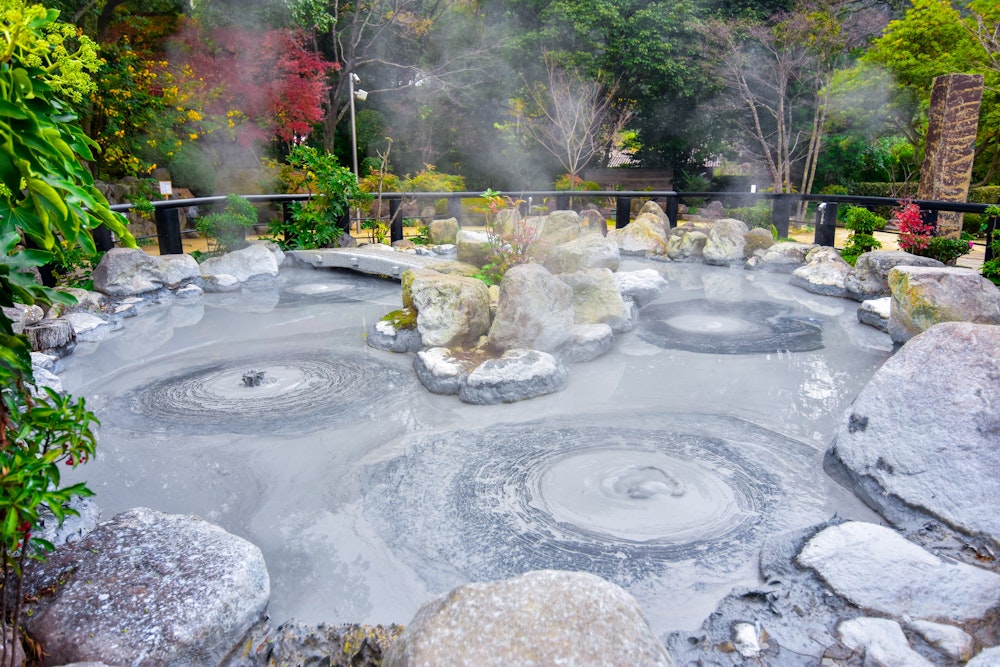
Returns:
<point x="269" y="77"/>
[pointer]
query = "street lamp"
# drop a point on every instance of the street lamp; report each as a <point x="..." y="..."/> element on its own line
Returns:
<point x="361" y="96"/>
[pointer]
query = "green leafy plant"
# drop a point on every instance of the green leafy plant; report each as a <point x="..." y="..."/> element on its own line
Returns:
<point x="47" y="197"/>
<point x="862" y="224"/>
<point x="423" y="235"/>
<point x="316" y="223"/>
<point x="916" y="236"/>
<point x="757" y="216"/>
<point x="510" y="240"/>
<point x="228" y="227"/>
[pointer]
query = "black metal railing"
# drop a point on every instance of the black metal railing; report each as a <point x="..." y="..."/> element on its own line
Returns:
<point x="169" y="232"/>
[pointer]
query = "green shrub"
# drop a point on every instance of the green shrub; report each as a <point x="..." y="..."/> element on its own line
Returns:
<point x="758" y="215"/>
<point x="431" y="180"/>
<point x="862" y="224"/>
<point x="568" y="183"/>
<point x="228" y="227"/>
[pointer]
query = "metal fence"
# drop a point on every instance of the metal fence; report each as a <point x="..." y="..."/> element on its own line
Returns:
<point x="169" y="233"/>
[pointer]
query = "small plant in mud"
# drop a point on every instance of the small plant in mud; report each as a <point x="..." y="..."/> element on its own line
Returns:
<point x="510" y="237"/>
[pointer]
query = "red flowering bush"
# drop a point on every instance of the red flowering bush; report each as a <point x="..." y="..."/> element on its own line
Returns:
<point x="914" y="233"/>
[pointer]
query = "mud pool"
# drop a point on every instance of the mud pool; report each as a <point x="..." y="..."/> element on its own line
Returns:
<point x="661" y="468"/>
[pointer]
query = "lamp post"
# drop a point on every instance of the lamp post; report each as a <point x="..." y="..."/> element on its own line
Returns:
<point x="361" y="96"/>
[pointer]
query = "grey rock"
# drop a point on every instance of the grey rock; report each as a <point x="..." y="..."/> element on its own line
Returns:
<point x="90" y="327"/>
<point x="73" y="527"/>
<point x="243" y="264"/>
<point x="641" y="286"/>
<point x="687" y="246"/>
<point x="127" y="272"/>
<point x="296" y="643"/>
<point x="219" y="283"/>
<point x="384" y="336"/>
<point x="45" y="379"/>
<point x="189" y="292"/>
<point x="473" y="247"/>
<point x="824" y="273"/>
<point x="53" y="336"/>
<point x="44" y="361"/>
<point x="870" y="276"/>
<point x="952" y="642"/>
<point x="451" y="310"/>
<point x="587" y="252"/>
<point x="989" y="657"/>
<point x="21" y="316"/>
<point x="925" y="296"/>
<point x="882" y="641"/>
<point x="440" y="372"/>
<point x="588" y="342"/>
<point x="875" y="313"/>
<point x="596" y="299"/>
<point x="592" y="221"/>
<point x="921" y="438"/>
<point x="515" y="376"/>
<point x="442" y="231"/>
<point x="650" y="207"/>
<point x="726" y="242"/>
<point x="757" y="241"/>
<point x="540" y="618"/>
<point x="877" y="569"/>
<point x="535" y="311"/>
<point x="783" y="257"/>
<point x="642" y="236"/>
<point x="556" y="228"/>
<point x="147" y="587"/>
<point x="176" y="270"/>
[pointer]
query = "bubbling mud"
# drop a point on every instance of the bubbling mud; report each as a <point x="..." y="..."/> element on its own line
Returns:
<point x="725" y="327"/>
<point x="296" y="392"/>
<point x="626" y="503"/>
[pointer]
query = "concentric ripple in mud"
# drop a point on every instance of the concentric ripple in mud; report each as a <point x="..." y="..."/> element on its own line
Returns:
<point x="299" y="392"/>
<point x="335" y="287"/>
<point x="623" y="502"/>
<point x="725" y="327"/>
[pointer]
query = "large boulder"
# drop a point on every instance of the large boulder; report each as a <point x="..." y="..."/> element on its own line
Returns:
<point x="442" y="231"/>
<point x="869" y="279"/>
<point x="441" y="372"/>
<point x="878" y="569"/>
<point x="650" y="207"/>
<point x="129" y="271"/>
<point x="757" y="241"/>
<point x="596" y="299"/>
<point x="824" y="272"/>
<point x="642" y="236"/>
<point x="540" y="618"/>
<point x="921" y="438"/>
<point x="588" y="342"/>
<point x="21" y="316"/>
<point x="556" y="228"/>
<point x="473" y="247"/>
<point x="254" y="261"/>
<point x="925" y="296"/>
<point x="686" y="245"/>
<point x="517" y="375"/>
<point x="146" y="588"/>
<point x="641" y="286"/>
<point x="782" y="257"/>
<point x="589" y="251"/>
<point x="592" y="221"/>
<point x="535" y="311"/>
<point x="726" y="242"/>
<point x="452" y="311"/>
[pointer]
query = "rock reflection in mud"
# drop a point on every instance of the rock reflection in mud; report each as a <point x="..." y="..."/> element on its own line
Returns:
<point x="728" y="327"/>
<point x="622" y="502"/>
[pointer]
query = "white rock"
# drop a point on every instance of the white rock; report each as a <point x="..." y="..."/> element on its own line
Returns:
<point x="883" y="642"/>
<point x="951" y="641"/>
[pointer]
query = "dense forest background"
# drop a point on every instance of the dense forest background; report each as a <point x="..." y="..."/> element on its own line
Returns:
<point x="796" y="95"/>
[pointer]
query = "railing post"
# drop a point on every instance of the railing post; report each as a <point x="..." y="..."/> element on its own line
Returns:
<point x="781" y="211"/>
<point x="168" y="230"/>
<point x="826" y="224"/>
<point x="673" y="208"/>
<point x="396" y="219"/>
<point x="623" y="211"/>
<point x="562" y="202"/>
<point x="103" y="240"/>
<point x="455" y="209"/>
<point x="930" y="217"/>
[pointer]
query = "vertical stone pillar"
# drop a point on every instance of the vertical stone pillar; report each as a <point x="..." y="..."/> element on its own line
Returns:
<point x="953" y="119"/>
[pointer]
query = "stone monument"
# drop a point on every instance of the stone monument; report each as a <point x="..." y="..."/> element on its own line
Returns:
<point x="953" y="119"/>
